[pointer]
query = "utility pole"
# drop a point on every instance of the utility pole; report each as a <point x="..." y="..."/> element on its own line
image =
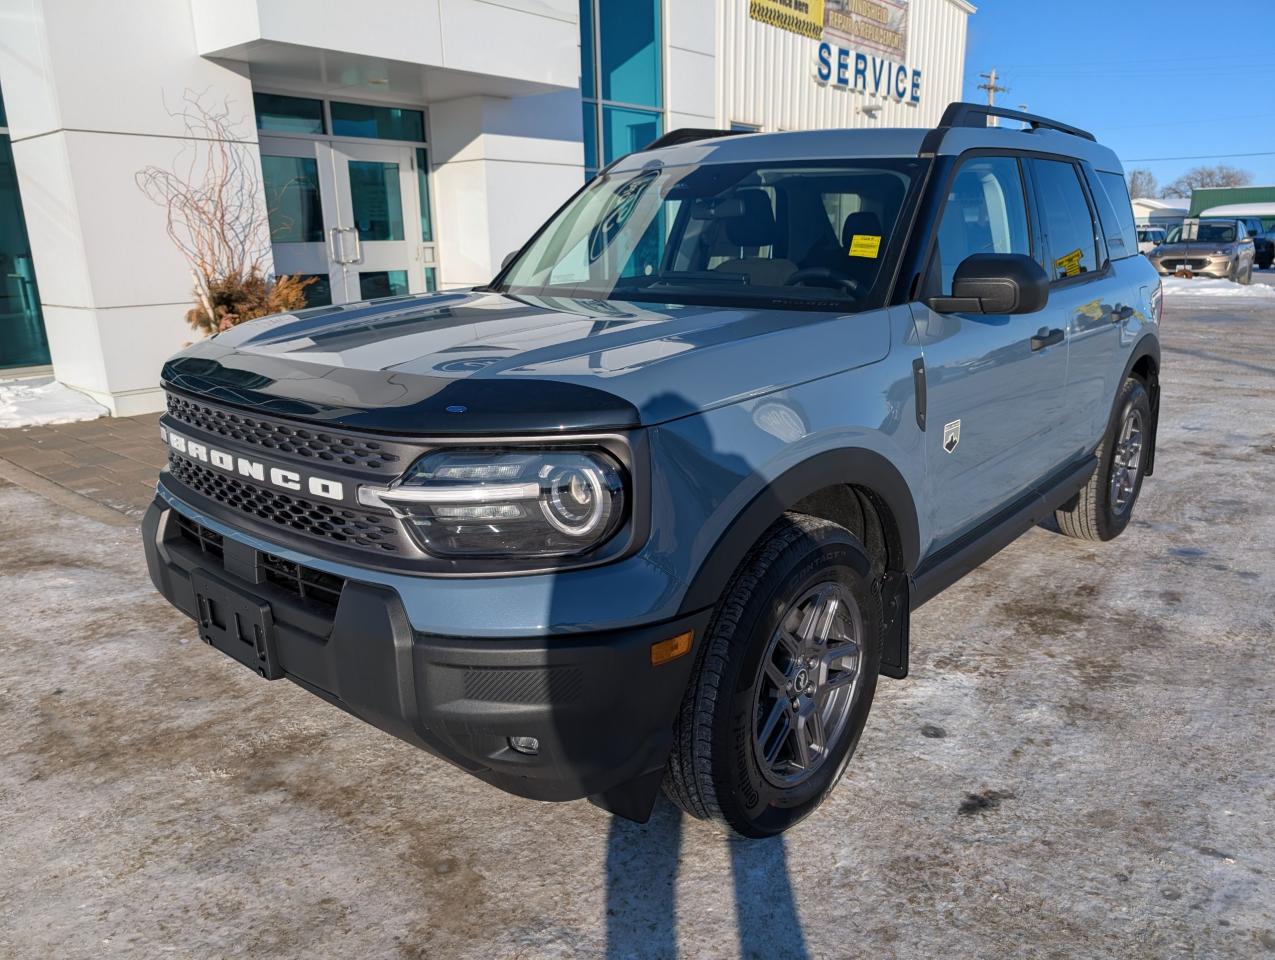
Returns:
<point x="992" y="89"/>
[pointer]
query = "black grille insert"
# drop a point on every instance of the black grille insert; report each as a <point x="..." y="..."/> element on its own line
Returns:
<point x="366" y="531"/>
<point x="272" y="435"/>
<point x="301" y="581"/>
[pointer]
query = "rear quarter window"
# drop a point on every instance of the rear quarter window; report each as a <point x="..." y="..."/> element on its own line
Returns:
<point x="1116" y="213"/>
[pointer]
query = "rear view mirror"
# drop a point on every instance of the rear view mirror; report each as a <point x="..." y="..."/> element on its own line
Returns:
<point x="509" y="258"/>
<point x="995" y="283"/>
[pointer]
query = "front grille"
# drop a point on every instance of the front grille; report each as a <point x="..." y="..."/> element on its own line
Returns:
<point x="302" y="582"/>
<point x="1175" y="263"/>
<point x="367" y="531"/>
<point x="286" y="438"/>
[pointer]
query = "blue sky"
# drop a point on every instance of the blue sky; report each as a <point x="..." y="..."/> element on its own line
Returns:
<point x="1152" y="78"/>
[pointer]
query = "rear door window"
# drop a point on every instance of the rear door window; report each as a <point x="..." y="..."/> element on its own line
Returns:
<point x="1065" y="219"/>
<point x="985" y="212"/>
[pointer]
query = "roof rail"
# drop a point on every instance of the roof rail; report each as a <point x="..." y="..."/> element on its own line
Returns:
<point x="688" y="135"/>
<point x="976" y="114"/>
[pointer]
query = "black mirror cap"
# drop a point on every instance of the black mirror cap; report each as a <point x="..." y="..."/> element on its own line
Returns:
<point x="509" y="258"/>
<point x="996" y="283"/>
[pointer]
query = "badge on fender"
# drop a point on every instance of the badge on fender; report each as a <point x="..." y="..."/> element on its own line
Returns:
<point x="951" y="435"/>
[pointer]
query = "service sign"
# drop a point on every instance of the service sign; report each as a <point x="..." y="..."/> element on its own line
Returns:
<point x="862" y="44"/>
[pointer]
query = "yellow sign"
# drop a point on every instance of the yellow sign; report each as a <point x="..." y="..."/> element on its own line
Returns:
<point x="1070" y="264"/>
<point x="804" y="17"/>
<point x="863" y="245"/>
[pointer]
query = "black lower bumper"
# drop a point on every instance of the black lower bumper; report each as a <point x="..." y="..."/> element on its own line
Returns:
<point x="602" y="714"/>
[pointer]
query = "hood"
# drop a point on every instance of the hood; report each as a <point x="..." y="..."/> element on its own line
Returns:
<point x="476" y="362"/>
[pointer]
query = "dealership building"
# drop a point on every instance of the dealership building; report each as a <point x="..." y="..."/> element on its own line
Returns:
<point x="399" y="146"/>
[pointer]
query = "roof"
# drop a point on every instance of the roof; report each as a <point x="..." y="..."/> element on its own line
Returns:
<point x="840" y="144"/>
<point x="1206" y="198"/>
<point x="1241" y="210"/>
<point x="1169" y="203"/>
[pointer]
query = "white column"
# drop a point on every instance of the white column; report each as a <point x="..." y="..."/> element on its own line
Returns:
<point x="88" y="88"/>
<point x="501" y="167"/>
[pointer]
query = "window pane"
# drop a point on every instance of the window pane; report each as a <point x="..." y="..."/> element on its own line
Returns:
<point x="630" y="42"/>
<point x="586" y="49"/>
<point x="985" y="213"/>
<point x="1116" y="215"/>
<point x="624" y="131"/>
<point x="22" y="340"/>
<point x="292" y="199"/>
<point x="1066" y="219"/>
<point x="318" y="292"/>
<point x="289" y="114"/>
<point x="589" y="120"/>
<point x="378" y="205"/>
<point x="382" y="283"/>
<point x="431" y="279"/>
<point x="422" y="187"/>
<point x="381" y="123"/>
<point x="4" y="117"/>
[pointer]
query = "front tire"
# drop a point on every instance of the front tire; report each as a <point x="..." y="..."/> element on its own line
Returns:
<point x="1101" y="510"/>
<point x="783" y="684"/>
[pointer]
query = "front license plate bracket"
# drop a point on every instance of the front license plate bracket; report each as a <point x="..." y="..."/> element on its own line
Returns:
<point x="237" y="623"/>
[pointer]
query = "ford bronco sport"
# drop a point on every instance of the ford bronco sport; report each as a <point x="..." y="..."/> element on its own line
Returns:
<point x="654" y="506"/>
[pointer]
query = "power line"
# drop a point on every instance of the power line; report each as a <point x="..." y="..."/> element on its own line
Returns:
<point x="1204" y="156"/>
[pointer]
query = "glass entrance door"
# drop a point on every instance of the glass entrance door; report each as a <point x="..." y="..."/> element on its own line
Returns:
<point x="22" y="339"/>
<point x="352" y="216"/>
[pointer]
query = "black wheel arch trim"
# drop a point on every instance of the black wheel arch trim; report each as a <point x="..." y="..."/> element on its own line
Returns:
<point x="1147" y="346"/>
<point x="850" y="465"/>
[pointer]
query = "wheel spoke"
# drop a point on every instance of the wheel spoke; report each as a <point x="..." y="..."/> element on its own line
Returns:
<point x="776" y="676"/>
<point x="778" y="715"/>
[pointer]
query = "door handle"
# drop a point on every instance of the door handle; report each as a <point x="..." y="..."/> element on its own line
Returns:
<point x="1121" y="313"/>
<point x="335" y="245"/>
<point x="358" y="245"/>
<point x="1046" y="338"/>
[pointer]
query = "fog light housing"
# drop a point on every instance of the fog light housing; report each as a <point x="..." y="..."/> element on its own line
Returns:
<point x="526" y="745"/>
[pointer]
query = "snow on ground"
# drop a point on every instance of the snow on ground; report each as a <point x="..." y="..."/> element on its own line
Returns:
<point x="1207" y="287"/>
<point x="41" y="401"/>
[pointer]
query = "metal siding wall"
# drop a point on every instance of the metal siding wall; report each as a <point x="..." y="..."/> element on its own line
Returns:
<point x="767" y="75"/>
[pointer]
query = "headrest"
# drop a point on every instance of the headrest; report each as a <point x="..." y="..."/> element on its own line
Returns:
<point x="755" y="227"/>
<point x="864" y="223"/>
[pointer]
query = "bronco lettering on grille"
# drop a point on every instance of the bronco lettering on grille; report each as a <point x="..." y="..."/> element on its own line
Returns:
<point x="253" y="469"/>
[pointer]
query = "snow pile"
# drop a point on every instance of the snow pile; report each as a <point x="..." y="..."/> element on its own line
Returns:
<point x="1208" y="287"/>
<point x="40" y="401"/>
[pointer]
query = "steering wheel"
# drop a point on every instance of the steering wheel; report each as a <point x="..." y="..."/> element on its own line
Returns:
<point x="823" y="277"/>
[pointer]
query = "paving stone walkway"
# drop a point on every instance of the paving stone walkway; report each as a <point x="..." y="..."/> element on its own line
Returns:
<point x="113" y="461"/>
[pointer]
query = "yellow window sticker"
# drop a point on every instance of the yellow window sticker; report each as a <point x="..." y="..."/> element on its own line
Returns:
<point x="864" y="245"/>
<point x="1070" y="264"/>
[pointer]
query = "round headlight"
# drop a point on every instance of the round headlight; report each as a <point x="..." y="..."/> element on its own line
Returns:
<point x="514" y="503"/>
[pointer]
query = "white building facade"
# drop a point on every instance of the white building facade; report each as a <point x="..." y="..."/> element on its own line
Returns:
<point x="394" y="146"/>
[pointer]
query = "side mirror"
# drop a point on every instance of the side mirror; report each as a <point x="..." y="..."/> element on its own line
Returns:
<point x="509" y="258"/>
<point x="995" y="283"/>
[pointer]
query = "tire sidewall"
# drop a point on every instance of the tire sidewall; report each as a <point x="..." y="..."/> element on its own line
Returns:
<point x="1132" y="394"/>
<point x="753" y="805"/>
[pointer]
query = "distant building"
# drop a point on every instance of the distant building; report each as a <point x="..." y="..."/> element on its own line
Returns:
<point x="1235" y="202"/>
<point x="1163" y="213"/>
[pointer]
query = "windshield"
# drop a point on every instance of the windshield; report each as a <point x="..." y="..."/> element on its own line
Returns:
<point x="1208" y="233"/>
<point x="809" y="235"/>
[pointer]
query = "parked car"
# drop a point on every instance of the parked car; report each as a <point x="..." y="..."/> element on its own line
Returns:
<point x="1149" y="238"/>
<point x="654" y="506"/>
<point x="1222" y="249"/>
<point x="1263" y="245"/>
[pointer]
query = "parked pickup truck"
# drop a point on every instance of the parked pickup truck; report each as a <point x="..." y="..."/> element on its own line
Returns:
<point x="653" y="507"/>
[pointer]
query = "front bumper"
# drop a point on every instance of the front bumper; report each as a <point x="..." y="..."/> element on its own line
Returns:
<point x="603" y="715"/>
<point x="1211" y="266"/>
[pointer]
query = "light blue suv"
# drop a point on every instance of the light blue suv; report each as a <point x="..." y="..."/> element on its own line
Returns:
<point x="653" y="507"/>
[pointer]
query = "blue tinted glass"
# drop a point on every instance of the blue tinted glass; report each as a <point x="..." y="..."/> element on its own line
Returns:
<point x="382" y="283"/>
<point x="377" y="202"/>
<point x="590" y="120"/>
<point x="586" y="49"/>
<point x="630" y="46"/>
<point x="624" y="131"/>
<point x="431" y="279"/>
<point x="288" y="114"/>
<point x="318" y="292"/>
<point x="380" y="123"/>
<point x="22" y="340"/>
<point x="292" y="199"/>
<point x="4" y="117"/>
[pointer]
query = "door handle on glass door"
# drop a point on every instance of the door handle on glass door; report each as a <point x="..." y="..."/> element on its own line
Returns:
<point x="1046" y="338"/>
<point x="335" y="246"/>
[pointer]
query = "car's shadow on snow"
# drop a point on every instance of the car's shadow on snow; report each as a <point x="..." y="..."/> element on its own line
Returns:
<point x="642" y="866"/>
